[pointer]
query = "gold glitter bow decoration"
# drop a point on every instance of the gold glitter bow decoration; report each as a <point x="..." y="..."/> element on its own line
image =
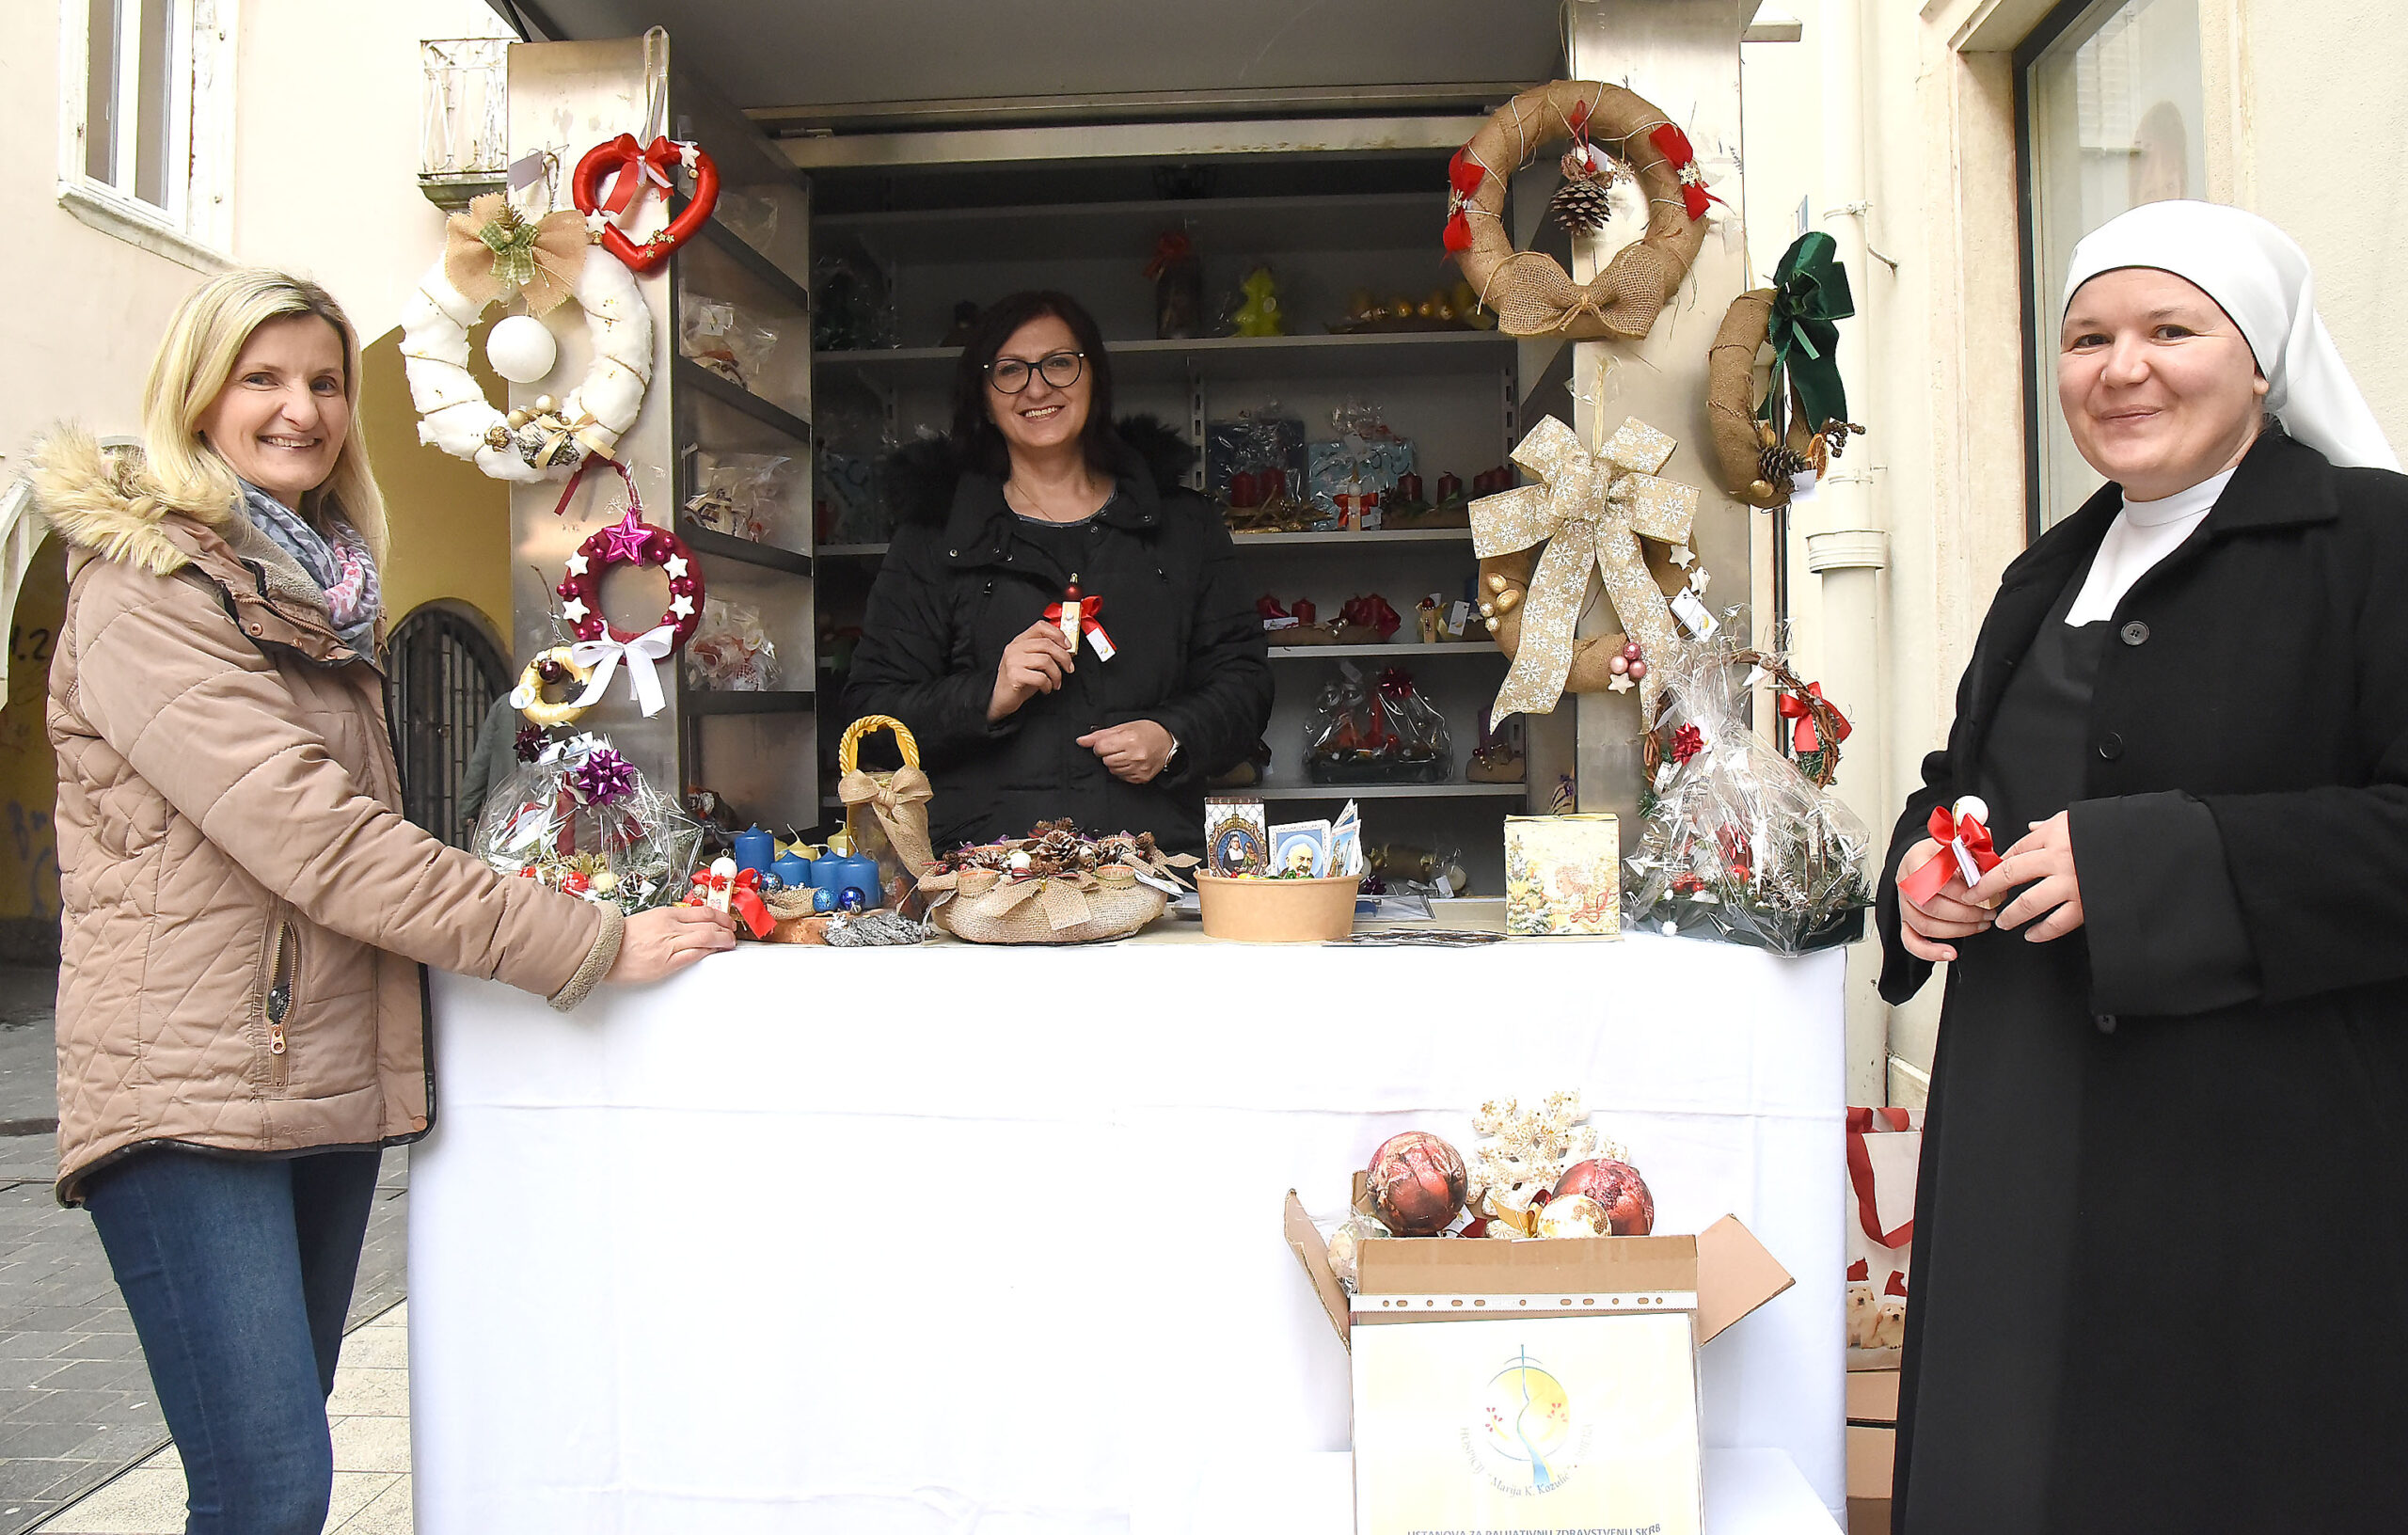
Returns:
<point x="1589" y="508"/>
<point x="494" y="249"/>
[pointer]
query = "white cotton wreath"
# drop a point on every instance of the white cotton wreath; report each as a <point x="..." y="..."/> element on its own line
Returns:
<point x="454" y="413"/>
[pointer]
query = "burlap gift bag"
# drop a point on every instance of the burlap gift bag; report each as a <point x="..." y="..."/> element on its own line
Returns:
<point x="895" y="831"/>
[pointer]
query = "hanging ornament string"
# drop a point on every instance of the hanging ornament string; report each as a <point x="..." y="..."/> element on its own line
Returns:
<point x="602" y="646"/>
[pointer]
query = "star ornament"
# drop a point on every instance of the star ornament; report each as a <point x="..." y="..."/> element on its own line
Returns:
<point x="578" y="565"/>
<point x="675" y="565"/>
<point x="626" y="541"/>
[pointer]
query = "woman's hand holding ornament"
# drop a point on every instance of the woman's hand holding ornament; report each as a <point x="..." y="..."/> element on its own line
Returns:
<point x="1954" y="912"/>
<point x="2044" y="861"/>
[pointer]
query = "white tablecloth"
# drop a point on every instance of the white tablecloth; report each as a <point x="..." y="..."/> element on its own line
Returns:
<point x="960" y="1240"/>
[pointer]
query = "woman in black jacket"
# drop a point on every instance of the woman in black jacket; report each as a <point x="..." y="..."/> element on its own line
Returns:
<point x="1034" y="492"/>
<point x="2160" y="1240"/>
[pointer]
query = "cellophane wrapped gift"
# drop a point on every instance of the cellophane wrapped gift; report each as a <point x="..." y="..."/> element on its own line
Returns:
<point x="1734" y="841"/>
<point x="579" y="818"/>
<point x="731" y="651"/>
<point x="1384" y="732"/>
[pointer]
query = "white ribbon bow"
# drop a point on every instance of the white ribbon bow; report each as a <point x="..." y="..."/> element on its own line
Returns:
<point x="603" y="655"/>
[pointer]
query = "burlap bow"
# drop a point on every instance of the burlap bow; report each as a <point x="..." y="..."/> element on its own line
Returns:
<point x="1589" y="508"/>
<point x="492" y="249"/>
<point x="894" y="800"/>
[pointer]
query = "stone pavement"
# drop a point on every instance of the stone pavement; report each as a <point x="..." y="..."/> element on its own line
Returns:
<point x="75" y="1401"/>
<point x="370" y="1413"/>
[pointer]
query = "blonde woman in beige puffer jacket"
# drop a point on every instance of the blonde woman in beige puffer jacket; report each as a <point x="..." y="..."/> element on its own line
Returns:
<point x="241" y="1023"/>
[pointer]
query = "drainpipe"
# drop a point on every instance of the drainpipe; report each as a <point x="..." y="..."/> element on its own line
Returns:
<point x="1848" y="546"/>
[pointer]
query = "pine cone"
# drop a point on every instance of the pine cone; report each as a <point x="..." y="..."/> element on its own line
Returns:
<point x="1581" y="203"/>
<point x="1780" y="464"/>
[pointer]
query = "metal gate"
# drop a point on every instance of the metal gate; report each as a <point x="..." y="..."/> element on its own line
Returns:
<point x="444" y="675"/>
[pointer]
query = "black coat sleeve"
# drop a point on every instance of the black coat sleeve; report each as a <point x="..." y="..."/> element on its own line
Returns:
<point x="1223" y="703"/>
<point x="2321" y="873"/>
<point x="1902" y="973"/>
<point x="2162" y="922"/>
<point x="914" y="664"/>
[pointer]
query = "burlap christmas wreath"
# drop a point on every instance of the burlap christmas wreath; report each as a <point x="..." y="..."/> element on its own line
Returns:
<point x="1528" y="291"/>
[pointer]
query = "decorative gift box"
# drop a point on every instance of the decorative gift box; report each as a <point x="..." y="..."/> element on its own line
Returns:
<point x="1518" y="1385"/>
<point x="1562" y="875"/>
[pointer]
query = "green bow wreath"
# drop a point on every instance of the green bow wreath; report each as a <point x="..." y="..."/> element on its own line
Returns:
<point x="1810" y="296"/>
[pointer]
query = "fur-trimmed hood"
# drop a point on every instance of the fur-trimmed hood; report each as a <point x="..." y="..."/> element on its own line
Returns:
<point x="920" y="477"/>
<point x="104" y="506"/>
<point x="99" y="499"/>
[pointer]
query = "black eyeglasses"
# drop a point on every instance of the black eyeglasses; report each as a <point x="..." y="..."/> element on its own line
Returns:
<point x="1009" y="375"/>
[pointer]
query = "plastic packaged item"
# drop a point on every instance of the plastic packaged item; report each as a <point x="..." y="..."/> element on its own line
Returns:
<point x="725" y="337"/>
<point x="580" y="818"/>
<point x="731" y="652"/>
<point x="742" y="495"/>
<point x="1736" y="843"/>
<point x="1384" y="732"/>
<point x="749" y="217"/>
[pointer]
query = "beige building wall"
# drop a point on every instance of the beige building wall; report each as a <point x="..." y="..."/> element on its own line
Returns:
<point x="325" y="154"/>
<point x="2301" y="130"/>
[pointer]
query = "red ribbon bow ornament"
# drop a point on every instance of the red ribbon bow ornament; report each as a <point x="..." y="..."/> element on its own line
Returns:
<point x="1803" y="737"/>
<point x="1060" y="614"/>
<point x="1965" y="848"/>
<point x="1464" y="176"/>
<point x="744" y="898"/>
<point x="1675" y="147"/>
<point x="631" y="165"/>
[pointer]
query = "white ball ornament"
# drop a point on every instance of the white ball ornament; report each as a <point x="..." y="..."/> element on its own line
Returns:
<point x="521" y="348"/>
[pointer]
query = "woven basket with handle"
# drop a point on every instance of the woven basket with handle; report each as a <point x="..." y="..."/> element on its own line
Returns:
<point x="894" y="829"/>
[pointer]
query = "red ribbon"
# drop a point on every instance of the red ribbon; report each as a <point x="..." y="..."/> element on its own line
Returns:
<point x="1169" y="251"/>
<point x="1675" y="147"/>
<point x="1464" y="176"/>
<point x="1089" y="623"/>
<point x="1688" y="742"/>
<point x="744" y="899"/>
<point x="658" y="163"/>
<point x="1960" y="836"/>
<point x="1803" y="739"/>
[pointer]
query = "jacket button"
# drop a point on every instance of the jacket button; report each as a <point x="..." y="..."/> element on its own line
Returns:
<point x="2136" y="633"/>
<point x="953" y="554"/>
<point x="2111" y="747"/>
<point x="256" y="630"/>
<point x="2105" y="1022"/>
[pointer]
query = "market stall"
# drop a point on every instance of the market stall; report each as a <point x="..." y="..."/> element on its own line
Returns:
<point x="950" y="1238"/>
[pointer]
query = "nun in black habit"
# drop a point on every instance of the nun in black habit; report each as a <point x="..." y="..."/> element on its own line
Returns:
<point x="2161" y="1250"/>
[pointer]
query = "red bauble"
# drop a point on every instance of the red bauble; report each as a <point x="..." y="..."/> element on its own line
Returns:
<point x="1617" y="1186"/>
<point x="1417" y="1184"/>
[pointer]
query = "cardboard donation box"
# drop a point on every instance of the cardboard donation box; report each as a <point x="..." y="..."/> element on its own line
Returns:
<point x="1546" y="1385"/>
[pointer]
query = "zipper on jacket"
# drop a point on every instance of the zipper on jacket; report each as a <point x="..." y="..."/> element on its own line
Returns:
<point x="283" y="964"/>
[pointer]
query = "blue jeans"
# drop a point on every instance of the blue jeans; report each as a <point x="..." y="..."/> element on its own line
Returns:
<point x="238" y="1272"/>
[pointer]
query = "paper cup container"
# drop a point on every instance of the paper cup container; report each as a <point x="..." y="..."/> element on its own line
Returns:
<point x="1278" y="910"/>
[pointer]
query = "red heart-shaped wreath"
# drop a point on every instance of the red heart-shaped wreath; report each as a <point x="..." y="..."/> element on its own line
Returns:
<point x="632" y="165"/>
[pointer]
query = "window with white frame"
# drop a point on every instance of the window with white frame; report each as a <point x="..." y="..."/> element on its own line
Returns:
<point x="2111" y="98"/>
<point x="146" y="94"/>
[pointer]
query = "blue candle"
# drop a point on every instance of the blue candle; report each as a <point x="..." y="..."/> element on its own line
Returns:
<point x="826" y="870"/>
<point x="793" y="869"/>
<point x="860" y="873"/>
<point x="753" y="850"/>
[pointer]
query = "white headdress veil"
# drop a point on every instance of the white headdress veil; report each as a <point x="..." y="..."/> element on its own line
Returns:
<point x="2262" y="279"/>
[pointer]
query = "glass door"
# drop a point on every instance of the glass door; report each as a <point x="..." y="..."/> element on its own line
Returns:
<point x="2109" y="102"/>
